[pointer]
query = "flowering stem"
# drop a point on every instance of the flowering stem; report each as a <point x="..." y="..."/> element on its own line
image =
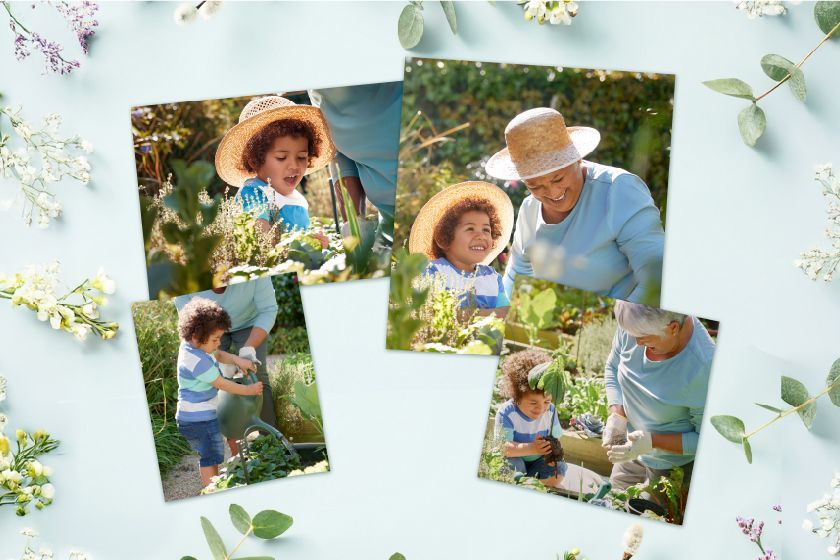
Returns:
<point x="786" y="78"/>
<point x="11" y="15"/>
<point x="792" y="410"/>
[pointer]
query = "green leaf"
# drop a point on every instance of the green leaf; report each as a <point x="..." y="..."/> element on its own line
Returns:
<point x="797" y="83"/>
<point x="833" y="382"/>
<point x="751" y="123"/>
<point x="807" y="413"/>
<point x="397" y="556"/>
<point x="305" y="397"/>
<point x="188" y="558"/>
<point x="410" y="26"/>
<point x="770" y="408"/>
<point x="730" y="427"/>
<point x="240" y="518"/>
<point x="827" y="15"/>
<point x="214" y="541"/>
<point x="254" y="558"/>
<point x="269" y="524"/>
<point x="747" y="450"/>
<point x="449" y="10"/>
<point x="731" y="86"/>
<point x="776" y="66"/>
<point x="793" y="392"/>
<point x="554" y="384"/>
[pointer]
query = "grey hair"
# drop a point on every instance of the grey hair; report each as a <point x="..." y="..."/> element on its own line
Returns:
<point x="643" y="320"/>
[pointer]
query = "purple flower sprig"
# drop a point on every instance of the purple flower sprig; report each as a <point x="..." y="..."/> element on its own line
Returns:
<point x="79" y="17"/>
<point x="753" y="531"/>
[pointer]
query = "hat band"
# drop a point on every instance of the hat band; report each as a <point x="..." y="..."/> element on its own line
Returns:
<point x="546" y="162"/>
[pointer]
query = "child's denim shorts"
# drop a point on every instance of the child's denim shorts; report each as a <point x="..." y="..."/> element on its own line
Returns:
<point x="206" y="440"/>
<point x="537" y="468"/>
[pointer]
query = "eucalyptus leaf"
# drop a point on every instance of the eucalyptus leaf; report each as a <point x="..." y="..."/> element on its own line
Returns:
<point x="751" y="123"/>
<point x="188" y="558"/>
<point x="240" y="518"/>
<point x="410" y="26"/>
<point x="214" y="541"/>
<point x="770" y="408"/>
<point x="449" y="10"/>
<point x="793" y="392"/>
<point x="807" y="413"/>
<point x="254" y="558"/>
<point x="747" y="450"/>
<point x="397" y="556"/>
<point x="776" y="66"/>
<point x="827" y="15"/>
<point x="832" y="383"/>
<point x="797" y="83"/>
<point x="731" y="86"/>
<point x="269" y="524"/>
<point x="730" y="427"/>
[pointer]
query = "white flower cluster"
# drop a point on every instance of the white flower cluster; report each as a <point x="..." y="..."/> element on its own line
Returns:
<point x="187" y="12"/>
<point x="24" y="480"/>
<point x="43" y="553"/>
<point x="557" y="12"/>
<point x="43" y="159"/>
<point x="35" y="288"/>
<point x="827" y="510"/>
<point x="817" y="262"/>
<point x="757" y="8"/>
<point x="322" y="466"/>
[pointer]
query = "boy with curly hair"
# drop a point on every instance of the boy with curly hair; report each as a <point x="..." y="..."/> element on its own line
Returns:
<point x="201" y="324"/>
<point x="527" y="418"/>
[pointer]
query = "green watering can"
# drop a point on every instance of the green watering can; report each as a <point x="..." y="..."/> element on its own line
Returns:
<point x="239" y="415"/>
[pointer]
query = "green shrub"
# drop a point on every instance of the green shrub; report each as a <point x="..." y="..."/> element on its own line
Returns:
<point x="594" y="342"/>
<point x="290" y="306"/>
<point x="156" y="329"/>
<point x="170" y="445"/>
<point x="282" y="376"/>
<point x="294" y="340"/>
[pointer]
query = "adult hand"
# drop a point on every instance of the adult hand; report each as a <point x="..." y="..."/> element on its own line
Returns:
<point x="249" y="353"/>
<point x="615" y="432"/>
<point x="246" y="365"/>
<point x="638" y="443"/>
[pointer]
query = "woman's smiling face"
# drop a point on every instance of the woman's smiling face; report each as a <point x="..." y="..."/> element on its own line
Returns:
<point x="285" y="163"/>
<point x="558" y="191"/>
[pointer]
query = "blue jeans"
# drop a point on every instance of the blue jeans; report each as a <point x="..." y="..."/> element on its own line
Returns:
<point x="206" y="440"/>
<point x="537" y="468"/>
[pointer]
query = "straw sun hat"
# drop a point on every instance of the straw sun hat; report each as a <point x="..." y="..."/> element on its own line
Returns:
<point x="421" y="239"/>
<point x="258" y="113"/>
<point x="539" y="142"/>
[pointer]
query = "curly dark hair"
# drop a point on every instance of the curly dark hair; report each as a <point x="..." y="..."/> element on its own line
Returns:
<point x="445" y="228"/>
<point x="253" y="156"/>
<point x="516" y="368"/>
<point x="200" y="318"/>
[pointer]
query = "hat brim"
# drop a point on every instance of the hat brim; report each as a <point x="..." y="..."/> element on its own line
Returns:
<point x="584" y="140"/>
<point x="421" y="239"/>
<point x="229" y="154"/>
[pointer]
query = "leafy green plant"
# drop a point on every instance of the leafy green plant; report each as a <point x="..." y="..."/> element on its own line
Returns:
<point x="359" y="245"/>
<point x="406" y="299"/>
<point x="305" y="399"/>
<point x="536" y="311"/>
<point x="267" y="524"/>
<point x="410" y="25"/>
<point x="751" y="120"/>
<point x="293" y="340"/>
<point x="794" y="393"/>
<point x="267" y="459"/>
<point x="586" y="394"/>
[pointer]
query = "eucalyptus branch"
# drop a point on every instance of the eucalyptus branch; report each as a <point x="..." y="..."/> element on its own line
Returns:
<point x="788" y="412"/>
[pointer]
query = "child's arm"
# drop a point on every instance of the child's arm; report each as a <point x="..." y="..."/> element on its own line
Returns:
<point x="229" y="386"/>
<point x="537" y="447"/>
<point x="228" y="358"/>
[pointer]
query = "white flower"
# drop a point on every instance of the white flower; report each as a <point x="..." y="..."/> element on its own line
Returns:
<point x="807" y="525"/>
<point x="834" y="550"/>
<point x="835" y="482"/>
<point x="209" y="8"/>
<point x="758" y="8"/>
<point x="36" y="468"/>
<point x="48" y="491"/>
<point x="29" y="533"/>
<point x="48" y="471"/>
<point x="103" y="283"/>
<point x="81" y="331"/>
<point x="633" y="538"/>
<point x="185" y="13"/>
<point x="86" y="146"/>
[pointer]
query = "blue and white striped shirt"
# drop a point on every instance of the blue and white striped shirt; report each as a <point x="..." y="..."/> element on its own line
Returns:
<point x="515" y="426"/>
<point x="482" y="289"/>
<point x="197" y="398"/>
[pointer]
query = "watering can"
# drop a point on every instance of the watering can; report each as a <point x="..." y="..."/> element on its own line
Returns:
<point x="239" y="414"/>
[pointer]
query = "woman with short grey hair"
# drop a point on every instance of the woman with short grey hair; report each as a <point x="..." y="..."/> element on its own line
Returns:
<point x="656" y="379"/>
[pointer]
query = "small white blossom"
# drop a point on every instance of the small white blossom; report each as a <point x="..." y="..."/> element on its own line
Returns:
<point x="759" y="8"/>
<point x="209" y="8"/>
<point x="29" y="533"/>
<point x="185" y="13"/>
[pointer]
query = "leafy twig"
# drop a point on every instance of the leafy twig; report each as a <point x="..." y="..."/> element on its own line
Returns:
<point x="267" y="524"/>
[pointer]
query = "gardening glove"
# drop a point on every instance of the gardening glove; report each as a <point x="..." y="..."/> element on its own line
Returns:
<point x="615" y="432"/>
<point x="638" y="443"/>
<point x="249" y="353"/>
<point x="229" y="371"/>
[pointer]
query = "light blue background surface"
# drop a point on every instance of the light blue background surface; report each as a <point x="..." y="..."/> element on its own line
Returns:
<point x="737" y="218"/>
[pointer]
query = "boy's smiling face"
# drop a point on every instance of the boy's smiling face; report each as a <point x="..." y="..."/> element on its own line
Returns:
<point x="285" y="163"/>
<point x="472" y="240"/>
<point x="534" y="404"/>
<point x="212" y="343"/>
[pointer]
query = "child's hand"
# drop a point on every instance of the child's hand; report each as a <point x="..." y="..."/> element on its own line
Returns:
<point x="255" y="389"/>
<point x="320" y="236"/>
<point x="541" y="446"/>
<point x="245" y="364"/>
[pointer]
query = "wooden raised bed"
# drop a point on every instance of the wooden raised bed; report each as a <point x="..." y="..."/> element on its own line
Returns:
<point x="586" y="452"/>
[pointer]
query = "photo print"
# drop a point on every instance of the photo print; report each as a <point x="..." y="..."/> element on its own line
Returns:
<point x="513" y="170"/>
<point x="599" y="400"/>
<point x="238" y="188"/>
<point x="230" y="386"/>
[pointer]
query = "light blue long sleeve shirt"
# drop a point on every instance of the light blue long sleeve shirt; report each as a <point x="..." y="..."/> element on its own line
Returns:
<point x="364" y="124"/>
<point x="249" y="304"/>
<point x="611" y="242"/>
<point x="662" y="397"/>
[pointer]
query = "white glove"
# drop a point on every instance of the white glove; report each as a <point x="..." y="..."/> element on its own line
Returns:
<point x="638" y="443"/>
<point x="249" y="353"/>
<point x="615" y="432"/>
<point x="229" y="371"/>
